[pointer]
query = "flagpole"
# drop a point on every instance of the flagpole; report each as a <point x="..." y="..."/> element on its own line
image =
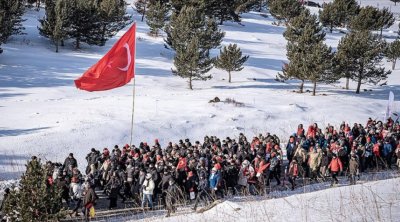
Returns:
<point x="133" y="110"/>
<point x="133" y="92"/>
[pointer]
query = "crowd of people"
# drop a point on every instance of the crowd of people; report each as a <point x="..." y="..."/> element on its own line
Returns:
<point x="204" y="171"/>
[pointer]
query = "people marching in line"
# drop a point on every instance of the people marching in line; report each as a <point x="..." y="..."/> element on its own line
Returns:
<point x="150" y="175"/>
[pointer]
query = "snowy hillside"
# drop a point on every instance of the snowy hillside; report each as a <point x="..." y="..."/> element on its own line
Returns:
<point x="43" y="114"/>
<point x="373" y="201"/>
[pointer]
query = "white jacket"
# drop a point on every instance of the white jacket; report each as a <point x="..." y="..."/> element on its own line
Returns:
<point x="148" y="186"/>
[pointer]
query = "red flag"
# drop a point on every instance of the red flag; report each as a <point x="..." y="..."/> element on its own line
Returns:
<point x="115" y="69"/>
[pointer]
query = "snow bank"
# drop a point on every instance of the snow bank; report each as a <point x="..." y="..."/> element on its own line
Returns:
<point x="372" y="201"/>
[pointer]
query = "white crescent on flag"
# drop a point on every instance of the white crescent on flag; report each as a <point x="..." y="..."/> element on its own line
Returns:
<point x="129" y="58"/>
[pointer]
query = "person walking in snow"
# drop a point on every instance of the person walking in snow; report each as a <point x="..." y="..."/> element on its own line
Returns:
<point x="336" y="167"/>
<point x="173" y="195"/>
<point x="214" y="179"/>
<point x="89" y="198"/>
<point x="293" y="173"/>
<point x="76" y="197"/>
<point x="148" y="188"/>
<point x="70" y="163"/>
<point x="353" y="168"/>
<point x="114" y="185"/>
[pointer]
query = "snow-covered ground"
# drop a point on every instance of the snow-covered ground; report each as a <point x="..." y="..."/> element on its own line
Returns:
<point x="43" y="114"/>
<point x="372" y="201"/>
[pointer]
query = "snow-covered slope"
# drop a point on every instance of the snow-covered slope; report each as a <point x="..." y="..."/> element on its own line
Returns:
<point x="372" y="201"/>
<point x="43" y="114"/>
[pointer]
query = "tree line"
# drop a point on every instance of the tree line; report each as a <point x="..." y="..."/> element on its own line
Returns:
<point x="359" y="54"/>
<point x="192" y="32"/>
<point x="89" y="21"/>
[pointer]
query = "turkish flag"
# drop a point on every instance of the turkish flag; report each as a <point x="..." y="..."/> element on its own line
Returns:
<point x="115" y="69"/>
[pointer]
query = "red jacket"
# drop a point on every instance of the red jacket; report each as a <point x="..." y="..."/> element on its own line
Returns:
<point x="293" y="169"/>
<point x="311" y="132"/>
<point x="263" y="166"/>
<point x="181" y="164"/>
<point x="376" y="150"/>
<point x="336" y="165"/>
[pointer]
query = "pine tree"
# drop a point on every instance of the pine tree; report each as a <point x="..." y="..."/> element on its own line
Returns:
<point x="367" y="19"/>
<point x="244" y="6"/>
<point x="230" y="59"/>
<point x="360" y="54"/>
<point x="141" y="7"/>
<point x="112" y="18"/>
<point x="84" y="23"/>
<point x="192" y="62"/>
<point x="185" y="35"/>
<point x="328" y="16"/>
<point x="223" y="10"/>
<point x="346" y="10"/>
<point x="212" y="36"/>
<point x="181" y="28"/>
<point x="285" y="9"/>
<point x="53" y="25"/>
<point x="177" y="5"/>
<point x="385" y="20"/>
<point x="309" y="58"/>
<point x="320" y="67"/>
<point x="11" y="12"/>
<point x="156" y="17"/>
<point x="393" y="52"/>
<point x="36" y="199"/>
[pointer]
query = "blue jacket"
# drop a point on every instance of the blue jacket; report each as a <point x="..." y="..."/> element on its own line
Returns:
<point x="214" y="179"/>
<point x="387" y="148"/>
<point x="290" y="148"/>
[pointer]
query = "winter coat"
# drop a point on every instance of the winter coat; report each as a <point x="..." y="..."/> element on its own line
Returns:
<point x="243" y="174"/>
<point x="89" y="197"/>
<point x="76" y="191"/>
<point x="397" y="152"/>
<point x="92" y="158"/>
<point x="315" y="160"/>
<point x="214" y="180"/>
<point x="293" y="169"/>
<point x="290" y="148"/>
<point x="203" y="179"/>
<point x="324" y="161"/>
<point x="130" y="170"/>
<point x="173" y="194"/>
<point x="311" y="132"/>
<point x="70" y="162"/>
<point x="163" y="186"/>
<point x="353" y="166"/>
<point x="335" y="165"/>
<point x="274" y="164"/>
<point x="115" y="185"/>
<point x="181" y="164"/>
<point x="376" y="150"/>
<point x="148" y="186"/>
<point x="231" y="175"/>
<point x="387" y="149"/>
<point x="300" y="155"/>
<point x="191" y="184"/>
